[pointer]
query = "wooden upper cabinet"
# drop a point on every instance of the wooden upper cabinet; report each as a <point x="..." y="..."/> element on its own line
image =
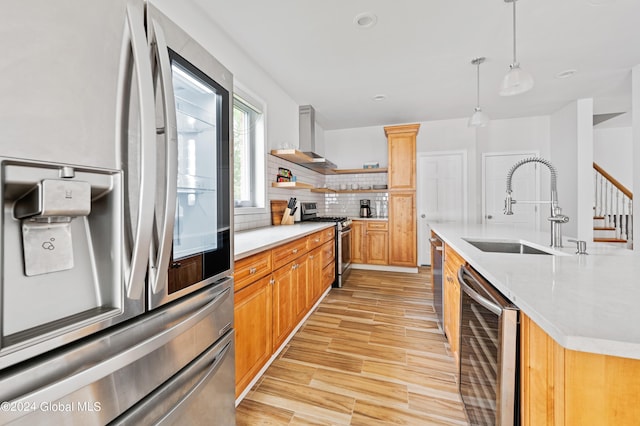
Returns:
<point x="402" y="156"/>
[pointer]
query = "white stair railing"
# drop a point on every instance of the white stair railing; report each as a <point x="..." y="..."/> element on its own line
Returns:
<point x="613" y="202"/>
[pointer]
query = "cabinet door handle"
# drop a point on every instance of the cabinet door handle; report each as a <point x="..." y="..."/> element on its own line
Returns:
<point x="272" y="281"/>
<point x="252" y="271"/>
<point x="295" y="266"/>
<point x="311" y="256"/>
<point x="294" y="251"/>
<point x="317" y="240"/>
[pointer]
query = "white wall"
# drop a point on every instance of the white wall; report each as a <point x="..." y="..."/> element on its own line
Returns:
<point x="572" y="155"/>
<point x="282" y="111"/>
<point x="349" y="148"/>
<point x="613" y="151"/>
<point x="635" y="120"/>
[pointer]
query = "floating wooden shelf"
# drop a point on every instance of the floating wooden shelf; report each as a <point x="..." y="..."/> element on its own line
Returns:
<point x="347" y="191"/>
<point x="292" y="155"/>
<point x="357" y="171"/>
<point x="302" y="159"/>
<point x="292" y="185"/>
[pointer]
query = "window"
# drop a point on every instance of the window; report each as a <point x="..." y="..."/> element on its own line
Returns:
<point x="248" y="155"/>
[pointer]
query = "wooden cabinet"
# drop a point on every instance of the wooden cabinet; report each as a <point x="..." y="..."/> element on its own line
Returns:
<point x="287" y="252"/>
<point x="251" y="268"/>
<point x="315" y="285"/>
<point x="320" y="237"/>
<point x="252" y="317"/>
<point x="301" y="287"/>
<point x="357" y="241"/>
<point x="565" y="387"/>
<point x="451" y="296"/>
<point x="377" y="243"/>
<point x="403" y="246"/>
<point x="284" y="281"/>
<point x="370" y="242"/>
<point x="275" y="289"/>
<point x="401" y="142"/>
<point x="328" y="266"/>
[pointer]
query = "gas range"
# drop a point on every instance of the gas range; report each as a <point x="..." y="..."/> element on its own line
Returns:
<point x="309" y="213"/>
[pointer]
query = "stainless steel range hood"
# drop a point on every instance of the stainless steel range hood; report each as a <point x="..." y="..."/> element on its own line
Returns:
<point x="308" y="141"/>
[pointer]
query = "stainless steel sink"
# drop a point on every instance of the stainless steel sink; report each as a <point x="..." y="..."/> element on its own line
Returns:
<point x="505" y="247"/>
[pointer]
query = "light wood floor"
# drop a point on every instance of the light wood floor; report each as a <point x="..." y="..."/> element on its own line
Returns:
<point x="371" y="354"/>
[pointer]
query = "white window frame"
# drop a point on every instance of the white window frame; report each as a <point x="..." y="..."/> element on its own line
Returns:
<point x="258" y="158"/>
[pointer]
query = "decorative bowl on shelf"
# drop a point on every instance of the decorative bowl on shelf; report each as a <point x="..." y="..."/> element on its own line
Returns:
<point x="379" y="186"/>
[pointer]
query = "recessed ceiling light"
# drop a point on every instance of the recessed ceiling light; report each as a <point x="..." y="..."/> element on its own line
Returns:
<point x="365" y="20"/>
<point x="379" y="98"/>
<point x="566" y="73"/>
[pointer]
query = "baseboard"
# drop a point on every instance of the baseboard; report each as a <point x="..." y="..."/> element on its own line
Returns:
<point x="387" y="268"/>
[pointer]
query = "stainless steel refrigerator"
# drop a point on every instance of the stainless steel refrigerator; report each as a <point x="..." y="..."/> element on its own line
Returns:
<point x="116" y="292"/>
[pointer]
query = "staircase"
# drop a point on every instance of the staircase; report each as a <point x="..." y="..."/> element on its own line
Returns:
<point x="612" y="210"/>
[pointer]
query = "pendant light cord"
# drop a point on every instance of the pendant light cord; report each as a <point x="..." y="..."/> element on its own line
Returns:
<point x="478" y="86"/>
<point x="515" y="61"/>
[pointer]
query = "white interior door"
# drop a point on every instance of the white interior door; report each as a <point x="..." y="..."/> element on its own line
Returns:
<point x="442" y="194"/>
<point x="524" y="184"/>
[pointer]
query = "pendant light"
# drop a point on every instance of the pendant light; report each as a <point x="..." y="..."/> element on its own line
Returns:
<point x="479" y="118"/>
<point x="517" y="80"/>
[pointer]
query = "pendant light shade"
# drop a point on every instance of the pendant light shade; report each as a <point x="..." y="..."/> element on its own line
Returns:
<point x="517" y="80"/>
<point x="479" y="117"/>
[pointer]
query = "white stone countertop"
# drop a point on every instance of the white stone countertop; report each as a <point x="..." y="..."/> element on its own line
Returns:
<point x="254" y="241"/>
<point x="586" y="303"/>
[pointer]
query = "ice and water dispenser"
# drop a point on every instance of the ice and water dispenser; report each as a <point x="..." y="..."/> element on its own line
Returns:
<point x="61" y="250"/>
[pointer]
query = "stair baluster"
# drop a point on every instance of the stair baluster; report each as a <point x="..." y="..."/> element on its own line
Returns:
<point x="613" y="204"/>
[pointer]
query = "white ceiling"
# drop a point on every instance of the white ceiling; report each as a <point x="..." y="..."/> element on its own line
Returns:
<point x="419" y="54"/>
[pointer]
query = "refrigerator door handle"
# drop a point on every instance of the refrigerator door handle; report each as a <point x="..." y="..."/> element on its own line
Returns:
<point x="164" y="219"/>
<point x="131" y="352"/>
<point x="135" y="262"/>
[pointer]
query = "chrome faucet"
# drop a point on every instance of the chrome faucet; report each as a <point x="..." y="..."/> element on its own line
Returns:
<point x="556" y="218"/>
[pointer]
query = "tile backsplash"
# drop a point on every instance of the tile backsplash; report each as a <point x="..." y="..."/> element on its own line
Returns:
<point x="330" y="204"/>
<point x="348" y="204"/>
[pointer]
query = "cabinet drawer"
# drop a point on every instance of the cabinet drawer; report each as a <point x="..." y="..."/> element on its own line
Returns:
<point x="288" y="252"/>
<point x="316" y="239"/>
<point x="328" y="234"/>
<point x="328" y="276"/>
<point x="377" y="226"/>
<point x="251" y="268"/>
<point x="328" y="252"/>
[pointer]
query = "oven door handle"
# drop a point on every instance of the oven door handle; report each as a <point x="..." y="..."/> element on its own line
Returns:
<point x="463" y="275"/>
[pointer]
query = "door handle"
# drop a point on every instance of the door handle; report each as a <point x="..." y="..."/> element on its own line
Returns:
<point x="489" y="216"/>
<point x="423" y="215"/>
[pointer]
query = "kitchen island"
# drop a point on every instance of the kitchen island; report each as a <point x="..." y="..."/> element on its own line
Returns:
<point x="579" y="340"/>
<point x="585" y="302"/>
